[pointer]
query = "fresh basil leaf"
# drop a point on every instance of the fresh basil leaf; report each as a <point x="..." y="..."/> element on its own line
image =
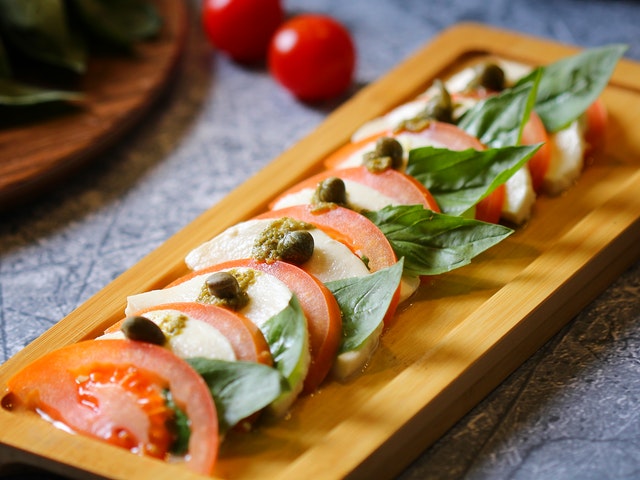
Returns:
<point x="433" y="243"/>
<point x="364" y="301"/>
<point x="460" y="179"/>
<point x="119" y="22"/>
<point x="181" y="426"/>
<point x="239" y="389"/>
<point x="498" y="120"/>
<point x="39" y="28"/>
<point x="13" y="93"/>
<point x="287" y="336"/>
<point x="570" y="85"/>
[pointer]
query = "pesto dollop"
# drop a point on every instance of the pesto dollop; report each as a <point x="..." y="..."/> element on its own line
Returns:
<point x="279" y="242"/>
<point x="209" y="294"/>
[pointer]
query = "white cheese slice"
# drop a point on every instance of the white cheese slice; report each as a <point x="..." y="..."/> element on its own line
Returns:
<point x="267" y="296"/>
<point x="519" y="197"/>
<point x="195" y="338"/>
<point x="331" y="260"/>
<point x="567" y="158"/>
<point x="359" y="196"/>
<point x="349" y="363"/>
<point x="408" y="140"/>
<point x="390" y="120"/>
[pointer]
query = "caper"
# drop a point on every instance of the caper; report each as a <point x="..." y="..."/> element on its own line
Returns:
<point x="390" y="147"/>
<point x="331" y="190"/>
<point x="439" y="107"/>
<point x="223" y="285"/>
<point x="296" y="247"/>
<point x="490" y="76"/>
<point x="142" y="329"/>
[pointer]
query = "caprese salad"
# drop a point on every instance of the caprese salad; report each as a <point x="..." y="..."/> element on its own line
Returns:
<point x="301" y="294"/>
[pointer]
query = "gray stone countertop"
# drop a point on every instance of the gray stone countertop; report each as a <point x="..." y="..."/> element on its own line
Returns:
<point x="570" y="412"/>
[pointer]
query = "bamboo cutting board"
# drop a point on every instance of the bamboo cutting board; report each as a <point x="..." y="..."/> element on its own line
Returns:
<point x="448" y="347"/>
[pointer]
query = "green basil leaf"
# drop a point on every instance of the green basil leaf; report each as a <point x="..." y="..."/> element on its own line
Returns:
<point x="287" y="336"/>
<point x="119" y="22"/>
<point x="570" y="85"/>
<point x="239" y="389"/>
<point x="498" y="120"/>
<point x="13" y="93"/>
<point x="460" y="179"/>
<point x="181" y="426"/>
<point x="433" y="243"/>
<point x="364" y="301"/>
<point x="39" y="28"/>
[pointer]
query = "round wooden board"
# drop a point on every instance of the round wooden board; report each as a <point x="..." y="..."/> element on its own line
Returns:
<point x="39" y="151"/>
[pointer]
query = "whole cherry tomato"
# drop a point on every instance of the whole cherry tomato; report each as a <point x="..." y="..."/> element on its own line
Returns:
<point x="242" y="28"/>
<point x="312" y="56"/>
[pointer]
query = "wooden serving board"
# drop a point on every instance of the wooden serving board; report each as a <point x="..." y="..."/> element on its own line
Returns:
<point x="454" y="341"/>
<point x="41" y="147"/>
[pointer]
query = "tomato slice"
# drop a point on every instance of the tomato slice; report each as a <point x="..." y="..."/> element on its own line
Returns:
<point x="402" y="188"/>
<point x="320" y="308"/>
<point x="438" y="134"/>
<point x="245" y="337"/>
<point x="352" y="229"/>
<point x="113" y="390"/>
<point x="489" y="208"/>
<point x="533" y="133"/>
<point x="597" y="120"/>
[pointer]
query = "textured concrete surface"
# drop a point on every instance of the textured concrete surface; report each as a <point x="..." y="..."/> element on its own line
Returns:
<point x="569" y="412"/>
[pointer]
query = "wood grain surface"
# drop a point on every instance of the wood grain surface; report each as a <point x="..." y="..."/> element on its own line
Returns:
<point x="40" y="148"/>
<point x="447" y="348"/>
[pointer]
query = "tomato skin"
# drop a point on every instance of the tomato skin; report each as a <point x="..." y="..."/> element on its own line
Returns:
<point x="489" y="208"/>
<point x="312" y="56"/>
<point x="242" y="28"/>
<point x="404" y="189"/>
<point x="52" y="384"/>
<point x="597" y="120"/>
<point x="533" y="133"/>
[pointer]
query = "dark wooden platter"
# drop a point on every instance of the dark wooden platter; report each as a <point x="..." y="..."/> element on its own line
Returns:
<point x="38" y="152"/>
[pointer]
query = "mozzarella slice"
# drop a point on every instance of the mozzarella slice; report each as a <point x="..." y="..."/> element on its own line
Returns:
<point x="390" y="120"/>
<point x="267" y="296"/>
<point x="408" y="140"/>
<point x="359" y="196"/>
<point x="349" y="363"/>
<point x="331" y="260"/>
<point x="519" y="197"/>
<point x="192" y="337"/>
<point x="567" y="158"/>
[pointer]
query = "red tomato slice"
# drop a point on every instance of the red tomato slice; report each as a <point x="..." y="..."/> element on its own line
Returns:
<point x="348" y="227"/>
<point x="246" y="339"/>
<point x="489" y="208"/>
<point x="404" y="189"/>
<point x="112" y="390"/>
<point x="435" y="133"/>
<point x="324" y="320"/>
<point x="597" y="120"/>
<point x="533" y="133"/>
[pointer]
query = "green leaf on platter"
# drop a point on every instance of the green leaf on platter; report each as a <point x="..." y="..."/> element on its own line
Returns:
<point x="570" y="85"/>
<point x="181" y="426"/>
<point x="458" y="180"/>
<point x="13" y="93"/>
<point x="433" y="243"/>
<point x="498" y="121"/>
<point x="239" y="389"/>
<point x="287" y="336"/>
<point x="364" y="302"/>
<point x="119" y="22"/>
<point x="40" y="30"/>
